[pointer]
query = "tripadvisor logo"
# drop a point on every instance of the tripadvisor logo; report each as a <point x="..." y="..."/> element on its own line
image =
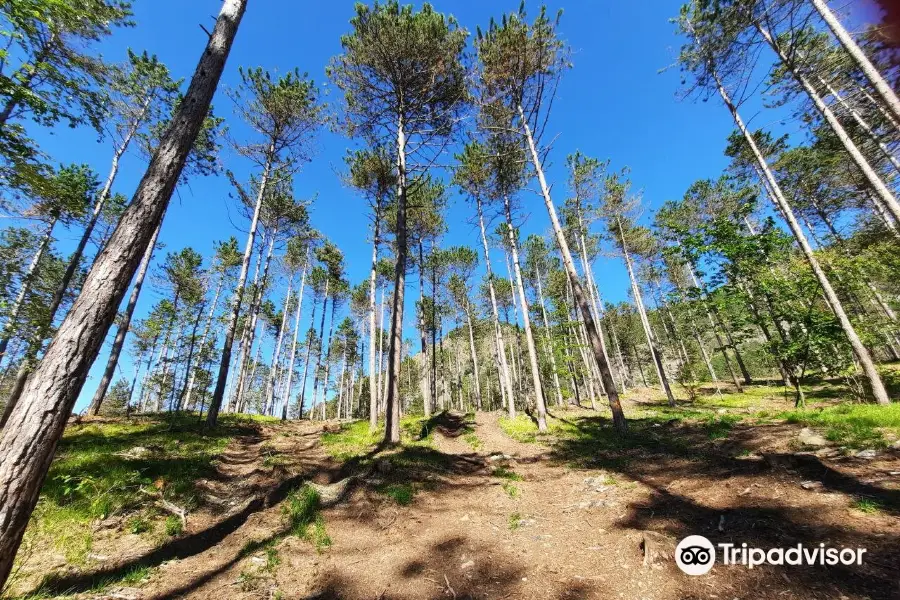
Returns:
<point x="696" y="555"/>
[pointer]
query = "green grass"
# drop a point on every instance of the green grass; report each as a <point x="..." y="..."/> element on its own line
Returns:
<point x="301" y="509"/>
<point x="719" y="426"/>
<point x="106" y="468"/>
<point x="521" y="429"/>
<point x="174" y="526"/>
<point x="401" y="493"/>
<point x="472" y="439"/>
<point x="511" y="490"/>
<point x="853" y="425"/>
<point x="514" y="521"/>
<point x="352" y="441"/>
<point x="867" y="506"/>
<point x="505" y="473"/>
<point x="272" y="559"/>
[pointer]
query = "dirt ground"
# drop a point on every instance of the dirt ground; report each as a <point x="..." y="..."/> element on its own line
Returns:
<point x="570" y="522"/>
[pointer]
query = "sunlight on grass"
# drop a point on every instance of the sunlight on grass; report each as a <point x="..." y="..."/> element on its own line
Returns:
<point x="353" y="440"/>
<point x="854" y="425"/>
<point x="401" y="493"/>
<point x="301" y="509"/>
<point x="521" y="429"/>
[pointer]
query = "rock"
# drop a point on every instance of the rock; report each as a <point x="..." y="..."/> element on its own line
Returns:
<point x="896" y="445"/>
<point x="384" y="466"/>
<point x="722" y="411"/>
<point x="867" y="454"/>
<point x="811" y="485"/>
<point x="808" y="437"/>
<point x="496" y="457"/>
<point x="125" y="593"/>
<point x="657" y="547"/>
<point x="467" y="565"/>
<point x="465" y="517"/>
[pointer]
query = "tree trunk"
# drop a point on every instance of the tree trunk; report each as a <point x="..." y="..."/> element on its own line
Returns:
<point x="526" y="319"/>
<point x="25" y="288"/>
<point x="373" y="391"/>
<point x="645" y="321"/>
<point x="548" y="335"/>
<point x="255" y="306"/>
<point x="426" y="384"/>
<point x="860" y="351"/>
<point x="276" y="353"/>
<point x="884" y="194"/>
<point x="593" y="335"/>
<point x="474" y="356"/>
<point x="27" y="448"/>
<point x="890" y="99"/>
<point x="188" y="361"/>
<point x="124" y="324"/>
<point x="395" y="347"/>
<point x="290" y="366"/>
<point x="309" y="345"/>
<point x="192" y="377"/>
<point x="216" y="402"/>
<point x="508" y="392"/>
<point x="321" y="348"/>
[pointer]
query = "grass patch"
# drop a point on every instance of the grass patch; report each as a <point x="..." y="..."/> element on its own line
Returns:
<point x="401" y="493"/>
<point x="505" y="473"/>
<point x="511" y="490"/>
<point x="853" y="425"/>
<point x="472" y="440"/>
<point x="352" y="441"/>
<point x="301" y="509"/>
<point x="514" y="521"/>
<point x="174" y="526"/>
<point x="521" y="429"/>
<point x="272" y="559"/>
<point x="865" y="505"/>
<point x="719" y="426"/>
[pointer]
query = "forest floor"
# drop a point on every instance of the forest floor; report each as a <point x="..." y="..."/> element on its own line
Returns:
<point x="472" y="506"/>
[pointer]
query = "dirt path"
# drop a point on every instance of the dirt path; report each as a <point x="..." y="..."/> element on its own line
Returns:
<point x="477" y="514"/>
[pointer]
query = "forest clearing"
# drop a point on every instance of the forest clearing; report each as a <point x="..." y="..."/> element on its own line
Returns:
<point x="471" y="506"/>
<point x="370" y="300"/>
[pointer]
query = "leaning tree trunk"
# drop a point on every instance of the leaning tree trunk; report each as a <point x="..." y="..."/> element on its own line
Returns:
<point x="124" y="324"/>
<point x="216" y="402"/>
<point x="878" y="186"/>
<point x="508" y="393"/>
<point x="885" y="91"/>
<point x="290" y="365"/>
<point x="395" y="345"/>
<point x="593" y="335"/>
<point x="526" y="319"/>
<point x="859" y="350"/>
<point x="188" y="363"/>
<point x="240" y="360"/>
<point x="25" y="287"/>
<point x="28" y="446"/>
<point x="192" y="375"/>
<point x="645" y="321"/>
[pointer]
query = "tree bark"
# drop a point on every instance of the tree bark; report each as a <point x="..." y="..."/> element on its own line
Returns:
<point x="28" y="446"/>
<point x="192" y="375"/>
<point x="593" y="335"/>
<point x="395" y="347"/>
<point x="508" y="393"/>
<point x="474" y="355"/>
<point x="276" y="353"/>
<point x="426" y="384"/>
<point x="526" y="320"/>
<point x="373" y="391"/>
<point x="549" y="340"/>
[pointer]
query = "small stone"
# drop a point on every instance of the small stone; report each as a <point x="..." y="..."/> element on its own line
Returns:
<point x="465" y="517"/>
<point x="467" y="565"/>
<point x="722" y="411"/>
<point x="867" y="454"/>
<point x="811" y="485"/>
<point x="808" y="437"/>
<point x="896" y="445"/>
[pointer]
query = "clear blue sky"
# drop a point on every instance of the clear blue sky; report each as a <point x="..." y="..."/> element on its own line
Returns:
<point x="613" y="104"/>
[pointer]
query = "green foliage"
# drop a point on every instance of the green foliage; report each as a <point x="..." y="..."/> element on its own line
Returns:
<point x="514" y="521"/>
<point x="138" y="524"/>
<point x="521" y="429"/>
<point x="506" y="473"/>
<point x="511" y="490"/>
<point x="353" y="440"/>
<point x="867" y="506"/>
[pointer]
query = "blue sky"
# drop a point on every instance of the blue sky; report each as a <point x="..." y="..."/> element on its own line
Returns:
<point x="613" y="104"/>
